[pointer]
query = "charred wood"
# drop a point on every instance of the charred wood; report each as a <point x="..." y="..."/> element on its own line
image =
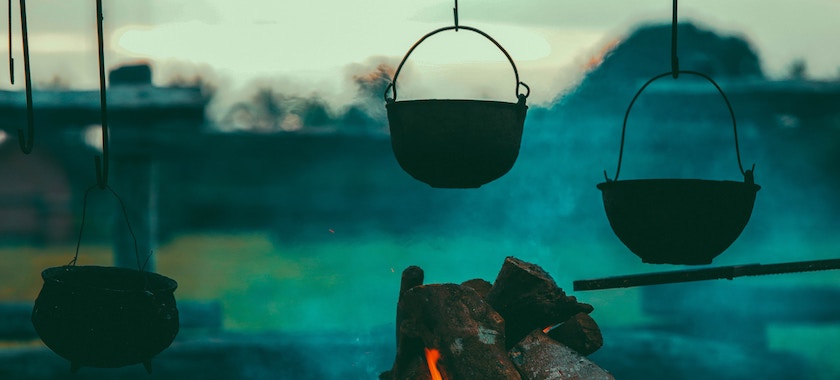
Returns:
<point x="411" y="277"/>
<point x="457" y="322"/>
<point x="482" y="287"/>
<point x="579" y="333"/>
<point x="479" y="330"/>
<point x="528" y="299"/>
<point x="538" y="357"/>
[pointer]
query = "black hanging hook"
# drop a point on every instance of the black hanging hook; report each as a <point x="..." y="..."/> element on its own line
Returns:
<point x="11" y="58"/>
<point x="675" y="61"/>
<point x="102" y="161"/>
<point x="455" y="12"/>
<point x="26" y="141"/>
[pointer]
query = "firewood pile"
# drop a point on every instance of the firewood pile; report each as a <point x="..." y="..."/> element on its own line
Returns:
<point x="522" y="326"/>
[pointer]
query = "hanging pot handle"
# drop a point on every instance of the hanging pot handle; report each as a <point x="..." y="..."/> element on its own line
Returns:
<point x="392" y="87"/>
<point x="140" y="267"/>
<point x="748" y="174"/>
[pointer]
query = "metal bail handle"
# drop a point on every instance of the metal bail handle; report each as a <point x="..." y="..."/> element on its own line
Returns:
<point x="748" y="174"/>
<point x="140" y="267"/>
<point x="392" y="87"/>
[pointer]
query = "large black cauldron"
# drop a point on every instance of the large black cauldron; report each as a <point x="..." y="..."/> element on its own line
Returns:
<point x="104" y="316"/>
<point x="678" y="221"/>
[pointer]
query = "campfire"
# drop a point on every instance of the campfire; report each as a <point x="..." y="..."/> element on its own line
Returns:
<point x="522" y="326"/>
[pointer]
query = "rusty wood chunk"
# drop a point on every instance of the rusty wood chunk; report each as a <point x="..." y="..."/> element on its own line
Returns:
<point x="411" y="277"/>
<point x="579" y="333"/>
<point x="482" y="287"/>
<point x="457" y="322"/>
<point x="538" y="357"/>
<point x="529" y="299"/>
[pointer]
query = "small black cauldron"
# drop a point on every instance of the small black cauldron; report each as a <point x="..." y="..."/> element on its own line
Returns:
<point x="105" y="317"/>
<point x="455" y="143"/>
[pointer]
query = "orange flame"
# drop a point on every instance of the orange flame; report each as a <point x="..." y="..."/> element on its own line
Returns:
<point x="549" y="328"/>
<point x="432" y="357"/>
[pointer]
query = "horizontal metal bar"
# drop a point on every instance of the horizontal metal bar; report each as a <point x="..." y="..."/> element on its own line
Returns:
<point x="727" y="272"/>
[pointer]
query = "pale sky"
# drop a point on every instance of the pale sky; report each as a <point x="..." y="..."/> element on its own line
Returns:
<point x="309" y="45"/>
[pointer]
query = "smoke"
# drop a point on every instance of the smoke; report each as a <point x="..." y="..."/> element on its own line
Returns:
<point x="370" y="79"/>
<point x="369" y="83"/>
<point x="549" y="199"/>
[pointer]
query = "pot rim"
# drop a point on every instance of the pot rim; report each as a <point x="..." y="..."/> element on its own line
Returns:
<point x="612" y="184"/>
<point x="501" y="102"/>
<point x="154" y="282"/>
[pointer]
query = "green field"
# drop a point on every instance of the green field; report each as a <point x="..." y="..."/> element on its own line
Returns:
<point x="335" y="283"/>
<point x="348" y="283"/>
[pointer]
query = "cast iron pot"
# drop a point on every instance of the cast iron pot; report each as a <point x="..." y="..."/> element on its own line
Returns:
<point x="105" y="317"/>
<point x="678" y="221"/>
<point x="455" y="143"/>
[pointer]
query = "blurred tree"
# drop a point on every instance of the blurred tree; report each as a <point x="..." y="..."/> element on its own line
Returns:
<point x="264" y="112"/>
<point x="268" y="110"/>
<point x="798" y="69"/>
<point x="355" y="117"/>
<point x="646" y="52"/>
<point x="314" y="112"/>
<point x="208" y="88"/>
<point x="56" y="83"/>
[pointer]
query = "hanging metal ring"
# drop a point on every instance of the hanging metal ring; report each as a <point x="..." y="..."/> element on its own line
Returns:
<point x="748" y="174"/>
<point x="392" y="87"/>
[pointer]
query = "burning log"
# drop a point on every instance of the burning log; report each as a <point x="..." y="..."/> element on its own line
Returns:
<point x="458" y="332"/>
<point x="529" y="299"/>
<point x="454" y="321"/>
<point x="579" y="333"/>
<point x="538" y="357"/>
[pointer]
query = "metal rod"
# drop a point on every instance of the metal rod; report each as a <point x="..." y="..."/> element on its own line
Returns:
<point x="102" y="162"/>
<point x="727" y="272"/>
<point x="675" y="61"/>
<point x="11" y="59"/>
<point x="26" y="141"/>
<point x="455" y="11"/>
